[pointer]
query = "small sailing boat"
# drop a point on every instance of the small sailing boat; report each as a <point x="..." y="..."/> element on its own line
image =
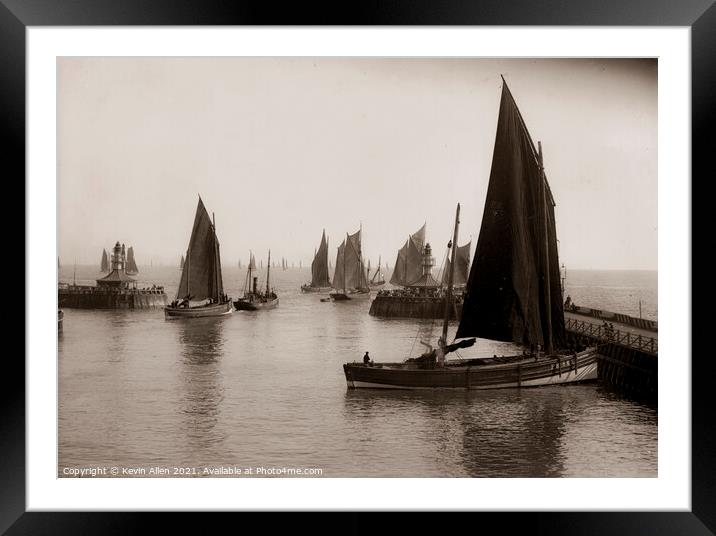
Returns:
<point x="512" y="293"/>
<point x="201" y="288"/>
<point x="254" y="299"/>
<point x="377" y="280"/>
<point x="104" y="263"/>
<point x="320" y="281"/>
<point x="131" y="263"/>
<point x="181" y="263"/>
<point x="349" y="279"/>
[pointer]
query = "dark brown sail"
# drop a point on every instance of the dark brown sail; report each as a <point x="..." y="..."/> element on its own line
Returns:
<point x="462" y="266"/>
<point x="339" y="278"/>
<point x="201" y="277"/>
<point x="131" y="263"/>
<point x="354" y="269"/>
<point x="319" y="266"/>
<point x="104" y="264"/>
<point x="408" y="265"/>
<point x="510" y="279"/>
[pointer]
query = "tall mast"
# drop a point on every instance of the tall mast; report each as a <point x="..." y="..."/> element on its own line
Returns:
<point x="405" y="264"/>
<point x="448" y="294"/>
<point x="250" y="272"/>
<point x="545" y="252"/>
<point x="268" y="273"/>
<point x="216" y="257"/>
<point x="344" y="263"/>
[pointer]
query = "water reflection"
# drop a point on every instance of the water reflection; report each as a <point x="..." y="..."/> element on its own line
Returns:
<point x="501" y="433"/>
<point x="201" y="386"/>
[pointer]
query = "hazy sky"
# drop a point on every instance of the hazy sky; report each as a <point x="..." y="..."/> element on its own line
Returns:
<point x="280" y="148"/>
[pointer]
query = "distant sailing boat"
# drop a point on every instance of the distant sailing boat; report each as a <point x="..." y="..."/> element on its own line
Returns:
<point x="131" y="263"/>
<point x="181" y="263"/>
<point x="104" y="263"/>
<point x="201" y="276"/>
<point x="349" y="279"/>
<point x="462" y="267"/>
<point x="512" y="293"/>
<point x="408" y="265"/>
<point x="254" y="299"/>
<point x="377" y="280"/>
<point x="320" y="281"/>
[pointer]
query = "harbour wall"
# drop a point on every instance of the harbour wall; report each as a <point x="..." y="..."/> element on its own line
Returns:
<point x="630" y="369"/>
<point x="93" y="298"/>
<point x="412" y="307"/>
<point x="642" y="323"/>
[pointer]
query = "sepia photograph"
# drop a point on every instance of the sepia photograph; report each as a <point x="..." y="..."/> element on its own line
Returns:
<point x="329" y="267"/>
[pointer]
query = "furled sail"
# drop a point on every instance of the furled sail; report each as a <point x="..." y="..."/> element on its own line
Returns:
<point x="104" y="264"/>
<point x="510" y="279"/>
<point x="408" y="265"/>
<point x="319" y="266"/>
<point x="462" y="266"/>
<point x="131" y="263"/>
<point x="201" y="277"/>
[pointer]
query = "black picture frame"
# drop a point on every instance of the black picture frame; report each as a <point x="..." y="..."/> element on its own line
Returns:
<point x="699" y="15"/>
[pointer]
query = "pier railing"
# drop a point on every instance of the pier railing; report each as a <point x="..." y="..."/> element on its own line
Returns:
<point x="649" y="345"/>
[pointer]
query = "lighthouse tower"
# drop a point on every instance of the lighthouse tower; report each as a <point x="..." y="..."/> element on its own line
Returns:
<point x="117" y="278"/>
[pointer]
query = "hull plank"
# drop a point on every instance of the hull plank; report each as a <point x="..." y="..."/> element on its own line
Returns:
<point x="524" y="373"/>
<point x="245" y="305"/>
<point x="219" y="309"/>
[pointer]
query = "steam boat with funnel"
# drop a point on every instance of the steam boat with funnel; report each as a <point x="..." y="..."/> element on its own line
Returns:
<point x="254" y="299"/>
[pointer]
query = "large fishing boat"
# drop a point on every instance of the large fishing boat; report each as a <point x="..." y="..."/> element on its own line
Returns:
<point x="201" y="288"/>
<point x="320" y="281"/>
<point x="254" y="299"/>
<point x="349" y="279"/>
<point x="512" y="293"/>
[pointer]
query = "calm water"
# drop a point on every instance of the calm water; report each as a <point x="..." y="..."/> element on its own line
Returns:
<point x="267" y="389"/>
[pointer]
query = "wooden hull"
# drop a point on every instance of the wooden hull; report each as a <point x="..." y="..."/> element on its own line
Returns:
<point x="523" y="373"/>
<point x="350" y="295"/>
<point x="246" y="305"/>
<point x="216" y="309"/>
<point x="309" y="288"/>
